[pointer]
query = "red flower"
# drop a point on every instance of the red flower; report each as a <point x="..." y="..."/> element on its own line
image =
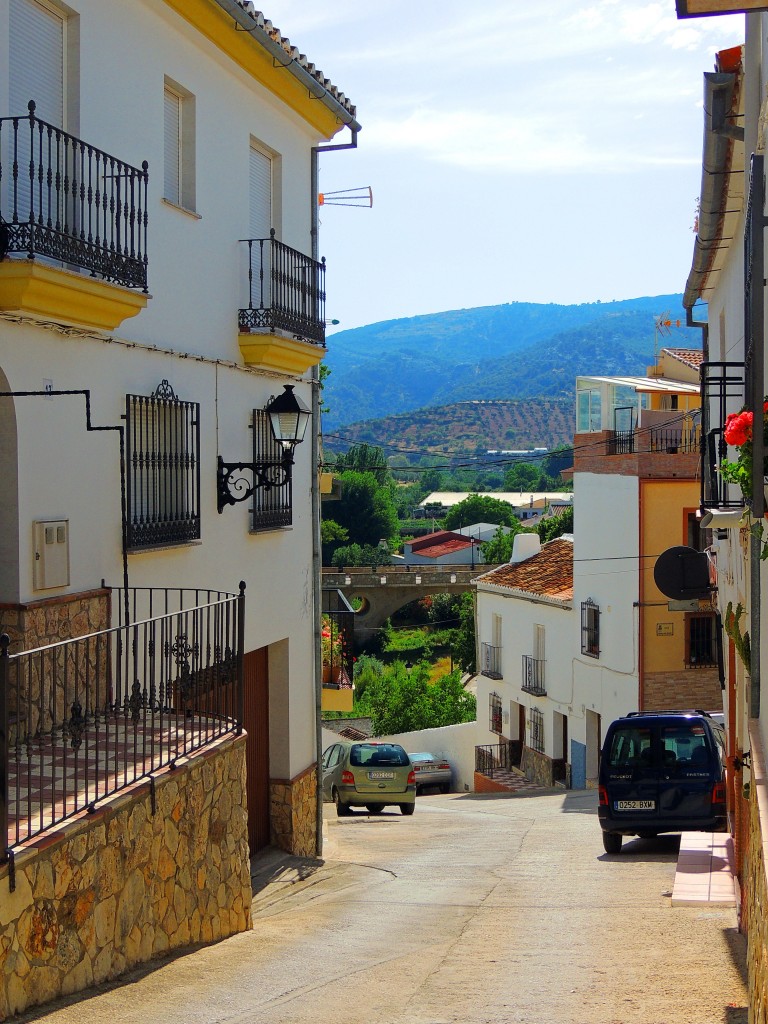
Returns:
<point x="738" y="428"/>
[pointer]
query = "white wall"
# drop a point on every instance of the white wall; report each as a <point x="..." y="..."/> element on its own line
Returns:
<point x="455" y="742"/>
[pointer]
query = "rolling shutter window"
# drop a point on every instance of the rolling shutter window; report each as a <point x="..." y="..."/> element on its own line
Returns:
<point x="172" y="157"/>
<point x="260" y="194"/>
<point x="36" y="47"/>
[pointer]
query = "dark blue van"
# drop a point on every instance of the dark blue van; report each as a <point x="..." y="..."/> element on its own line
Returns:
<point x="661" y="771"/>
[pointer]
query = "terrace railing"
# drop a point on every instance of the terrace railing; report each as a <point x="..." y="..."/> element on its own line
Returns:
<point x="490" y="661"/>
<point x="533" y="676"/>
<point x="66" y="200"/>
<point x="82" y="719"/>
<point x="493" y="757"/>
<point x="286" y="290"/>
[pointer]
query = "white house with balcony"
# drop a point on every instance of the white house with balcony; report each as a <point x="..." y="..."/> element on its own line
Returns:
<point x="161" y="321"/>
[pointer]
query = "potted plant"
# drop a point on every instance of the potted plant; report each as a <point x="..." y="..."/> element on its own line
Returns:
<point x="332" y="643"/>
<point x="738" y="434"/>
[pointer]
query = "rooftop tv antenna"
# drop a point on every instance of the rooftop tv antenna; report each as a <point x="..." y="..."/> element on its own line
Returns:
<point x="361" y="197"/>
<point x="662" y="327"/>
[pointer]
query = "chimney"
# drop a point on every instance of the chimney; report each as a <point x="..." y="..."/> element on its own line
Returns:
<point x="524" y="546"/>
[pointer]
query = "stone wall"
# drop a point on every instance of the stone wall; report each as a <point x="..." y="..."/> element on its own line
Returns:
<point x="692" y="688"/>
<point x="37" y="699"/>
<point x="754" y="921"/>
<point x="116" y="888"/>
<point x="537" y="767"/>
<point x="293" y="813"/>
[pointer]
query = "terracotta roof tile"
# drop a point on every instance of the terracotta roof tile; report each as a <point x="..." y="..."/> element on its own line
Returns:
<point x="692" y="357"/>
<point x="547" y="574"/>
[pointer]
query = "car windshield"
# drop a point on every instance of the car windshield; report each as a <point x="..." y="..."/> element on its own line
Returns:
<point x="364" y="754"/>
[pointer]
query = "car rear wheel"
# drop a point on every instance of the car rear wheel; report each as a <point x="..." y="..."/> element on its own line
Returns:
<point x="342" y="810"/>
<point x="407" y="808"/>
<point x="445" y="787"/>
<point x="374" y="808"/>
<point x="611" y="842"/>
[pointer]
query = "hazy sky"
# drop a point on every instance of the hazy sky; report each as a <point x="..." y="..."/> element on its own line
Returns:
<point x="518" y="150"/>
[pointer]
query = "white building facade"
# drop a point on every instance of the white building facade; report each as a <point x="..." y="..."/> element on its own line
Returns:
<point x="160" y="283"/>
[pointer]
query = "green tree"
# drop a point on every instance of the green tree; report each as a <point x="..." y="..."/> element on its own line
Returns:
<point x="365" y="458"/>
<point x="479" y="508"/>
<point x="557" y="525"/>
<point x="366" y="509"/>
<point x="354" y="554"/>
<point x="522" y="476"/>
<point x="403" y="700"/>
<point x="464" y="644"/>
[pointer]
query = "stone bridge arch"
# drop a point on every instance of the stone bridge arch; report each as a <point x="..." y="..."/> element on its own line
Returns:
<point x="388" y="588"/>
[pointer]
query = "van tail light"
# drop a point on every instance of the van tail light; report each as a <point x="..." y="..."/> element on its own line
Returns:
<point x="347" y="779"/>
<point x="718" y="793"/>
<point x="411" y="779"/>
<point x="602" y="796"/>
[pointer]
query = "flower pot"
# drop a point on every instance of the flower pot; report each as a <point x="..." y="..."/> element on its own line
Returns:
<point x="326" y="672"/>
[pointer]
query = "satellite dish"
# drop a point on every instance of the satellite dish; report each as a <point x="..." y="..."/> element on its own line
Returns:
<point x="682" y="573"/>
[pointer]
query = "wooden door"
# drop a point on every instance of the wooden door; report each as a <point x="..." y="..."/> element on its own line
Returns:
<point x="256" y="724"/>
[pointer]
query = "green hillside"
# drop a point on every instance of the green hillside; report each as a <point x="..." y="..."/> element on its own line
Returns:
<point x="492" y="352"/>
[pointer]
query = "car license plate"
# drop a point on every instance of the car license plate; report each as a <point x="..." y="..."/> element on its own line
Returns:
<point x="380" y="775"/>
<point x="634" y="805"/>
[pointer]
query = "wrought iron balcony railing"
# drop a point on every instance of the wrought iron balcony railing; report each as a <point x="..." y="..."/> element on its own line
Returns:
<point x="723" y="391"/>
<point x="286" y="290"/>
<point x="82" y="719"/>
<point x="338" y="646"/>
<point x="490" y="661"/>
<point x="63" y="199"/>
<point x="533" y="676"/>
<point x="668" y="440"/>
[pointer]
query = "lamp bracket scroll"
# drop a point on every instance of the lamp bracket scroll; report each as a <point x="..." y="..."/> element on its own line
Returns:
<point x="236" y="481"/>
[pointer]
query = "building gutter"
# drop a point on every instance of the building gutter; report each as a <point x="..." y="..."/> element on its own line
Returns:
<point x="283" y="58"/>
<point x="721" y="99"/>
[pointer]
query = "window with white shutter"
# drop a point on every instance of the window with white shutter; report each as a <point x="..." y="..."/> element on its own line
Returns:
<point x="179" y="146"/>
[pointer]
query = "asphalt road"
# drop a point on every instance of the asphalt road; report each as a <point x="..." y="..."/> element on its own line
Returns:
<point x="478" y="909"/>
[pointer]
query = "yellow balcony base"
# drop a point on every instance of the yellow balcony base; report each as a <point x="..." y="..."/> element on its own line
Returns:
<point x="38" y="290"/>
<point x="337" y="700"/>
<point x="283" y="355"/>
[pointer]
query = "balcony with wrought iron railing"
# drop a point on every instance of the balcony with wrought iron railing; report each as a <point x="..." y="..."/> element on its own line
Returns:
<point x="533" y="676"/>
<point x="490" y="661"/>
<point x="85" y="718"/>
<point x="724" y="391"/>
<point x="67" y="205"/>
<point x="285" y="314"/>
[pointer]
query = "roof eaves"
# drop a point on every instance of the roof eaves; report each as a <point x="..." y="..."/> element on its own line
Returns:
<point x="279" y="46"/>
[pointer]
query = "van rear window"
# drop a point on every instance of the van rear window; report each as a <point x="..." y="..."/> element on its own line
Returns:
<point x="685" y="744"/>
<point x="630" y="746"/>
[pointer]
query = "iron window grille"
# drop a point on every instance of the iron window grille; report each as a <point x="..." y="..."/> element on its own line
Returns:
<point x="163" y="478"/>
<point x="536" y="730"/>
<point x="700" y="641"/>
<point x="590" y="629"/>
<point x="494" y="713"/>
<point x="273" y="502"/>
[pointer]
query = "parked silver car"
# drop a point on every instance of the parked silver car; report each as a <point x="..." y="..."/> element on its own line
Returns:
<point x="368" y="774"/>
<point x="431" y="771"/>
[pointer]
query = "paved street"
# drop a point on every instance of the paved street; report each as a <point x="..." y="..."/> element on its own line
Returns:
<point x="479" y="908"/>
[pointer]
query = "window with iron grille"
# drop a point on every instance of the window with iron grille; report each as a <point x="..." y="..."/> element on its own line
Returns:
<point x="494" y="713"/>
<point x="536" y="738"/>
<point x="273" y="504"/>
<point x="590" y="629"/>
<point x="700" y="641"/>
<point x="163" y="469"/>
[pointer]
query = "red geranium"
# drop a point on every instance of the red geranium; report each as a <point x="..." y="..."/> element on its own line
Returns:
<point x="738" y="428"/>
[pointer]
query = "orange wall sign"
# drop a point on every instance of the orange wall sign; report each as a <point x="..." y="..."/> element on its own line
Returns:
<point x="701" y="8"/>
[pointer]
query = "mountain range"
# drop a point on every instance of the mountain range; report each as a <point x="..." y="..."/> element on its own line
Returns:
<point x="519" y="350"/>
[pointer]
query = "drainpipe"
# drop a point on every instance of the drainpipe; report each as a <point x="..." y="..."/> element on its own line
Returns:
<point x="755" y="326"/>
<point x="317" y="565"/>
